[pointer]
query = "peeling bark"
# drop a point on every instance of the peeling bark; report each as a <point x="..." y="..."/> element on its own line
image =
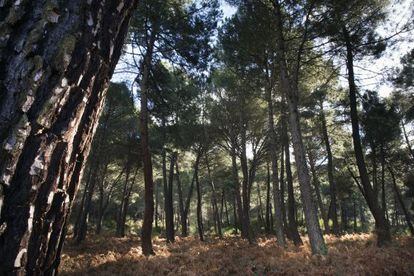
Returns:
<point x="56" y="59"/>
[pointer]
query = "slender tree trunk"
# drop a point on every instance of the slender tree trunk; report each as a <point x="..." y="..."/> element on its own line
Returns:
<point x="56" y="82"/>
<point x="82" y="203"/>
<point x="381" y="223"/>
<point x="183" y="217"/>
<point x="293" y="227"/>
<point x="407" y="141"/>
<point x="268" y="210"/>
<point x="157" y="198"/>
<point x="83" y="222"/>
<point x="344" y="217"/>
<point x="282" y="188"/>
<point x="226" y="210"/>
<point x="383" y="197"/>
<point x="199" y="205"/>
<point x="236" y="223"/>
<point x="120" y="224"/>
<point x="222" y="205"/>
<point x="397" y="192"/>
<point x="169" y="208"/>
<point x="237" y="195"/>
<point x="260" y="207"/>
<point x="245" y="218"/>
<point x="354" y="214"/>
<point x="145" y="150"/>
<point x="332" y="183"/>
<point x="101" y="199"/>
<point x="289" y="85"/>
<point x="216" y="214"/>
<point x="278" y="218"/>
<point x="316" y="184"/>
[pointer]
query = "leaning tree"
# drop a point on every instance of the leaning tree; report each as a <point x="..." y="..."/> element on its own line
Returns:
<point x="56" y="59"/>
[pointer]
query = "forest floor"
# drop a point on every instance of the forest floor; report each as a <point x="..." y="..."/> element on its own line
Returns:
<point x="348" y="255"/>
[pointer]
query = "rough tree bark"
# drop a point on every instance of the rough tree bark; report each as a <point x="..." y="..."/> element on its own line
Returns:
<point x="56" y="59"/>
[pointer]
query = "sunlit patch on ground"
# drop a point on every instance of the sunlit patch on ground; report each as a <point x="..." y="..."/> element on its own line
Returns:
<point x="348" y="255"/>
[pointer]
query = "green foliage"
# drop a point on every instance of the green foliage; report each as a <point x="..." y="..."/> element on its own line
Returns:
<point x="377" y="113"/>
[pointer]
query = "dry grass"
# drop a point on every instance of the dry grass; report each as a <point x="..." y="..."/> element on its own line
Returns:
<point x="348" y="255"/>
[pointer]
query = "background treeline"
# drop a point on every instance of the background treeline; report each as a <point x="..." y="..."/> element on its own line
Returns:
<point x="252" y="127"/>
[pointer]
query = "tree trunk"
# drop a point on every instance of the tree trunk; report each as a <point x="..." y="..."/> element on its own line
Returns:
<point x="236" y="224"/>
<point x="216" y="214"/>
<point x="82" y="203"/>
<point x="407" y="141"/>
<point x="278" y="218"/>
<point x="268" y="210"/>
<point x="260" y="207"/>
<point x="397" y="191"/>
<point x="282" y="188"/>
<point x="289" y="85"/>
<point x="226" y="210"/>
<point x="183" y="217"/>
<point x="332" y="183"/>
<point x="222" y="205"/>
<point x="383" y="197"/>
<point x="381" y="223"/>
<point x="101" y="199"/>
<point x="316" y="184"/>
<point x="169" y="208"/>
<point x="237" y="195"/>
<point x="344" y="217"/>
<point x="293" y="227"/>
<point x="199" y="205"/>
<point x="54" y="78"/>
<point x="245" y="218"/>
<point x="145" y="151"/>
<point x="83" y="222"/>
<point x="157" y="196"/>
<point x="106" y="197"/>
<point x="120" y="223"/>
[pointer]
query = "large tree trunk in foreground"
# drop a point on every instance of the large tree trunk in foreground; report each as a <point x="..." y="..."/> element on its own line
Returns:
<point x="381" y="223"/>
<point x="56" y="60"/>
